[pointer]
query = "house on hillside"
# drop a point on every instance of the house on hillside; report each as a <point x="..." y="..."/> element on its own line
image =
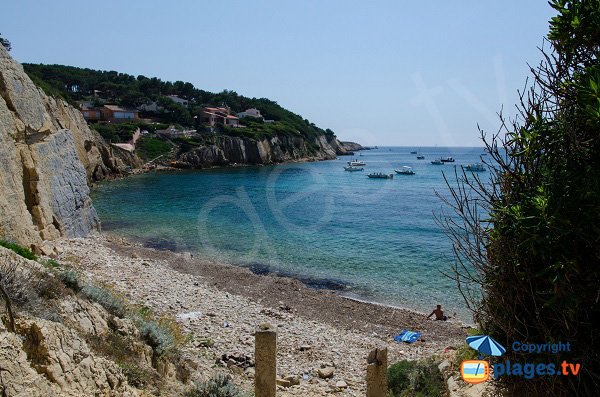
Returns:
<point x="218" y="116"/>
<point x="92" y="114"/>
<point x="112" y="113"/>
<point x="252" y="112"/>
<point x="116" y="114"/>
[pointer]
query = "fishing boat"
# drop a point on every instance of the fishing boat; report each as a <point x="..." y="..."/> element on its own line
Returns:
<point x="380" y="175"/>
<point x="352" y="168"/>
<point x="354" y="163"/>
<point x="447" y="160"/>
<point x="413" y="152"/>
<point x="476" y="167"/>
<point x="420" y="157"/>
<point x="437" y="162"/>
<point x="405" y="170"/>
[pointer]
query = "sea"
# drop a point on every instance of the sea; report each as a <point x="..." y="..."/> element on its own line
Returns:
<point x="375" y="240"/>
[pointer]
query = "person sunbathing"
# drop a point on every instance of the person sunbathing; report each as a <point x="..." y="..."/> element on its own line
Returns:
<point x="439" y="313"/>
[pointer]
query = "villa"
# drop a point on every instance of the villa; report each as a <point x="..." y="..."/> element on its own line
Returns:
<point x="111" y="113"/>
<point x="221" y="116"/>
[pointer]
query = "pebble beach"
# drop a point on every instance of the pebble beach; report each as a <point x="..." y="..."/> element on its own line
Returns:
<point x="322" y="338"/>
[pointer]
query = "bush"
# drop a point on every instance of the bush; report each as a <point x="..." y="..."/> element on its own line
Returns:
<point x="70" y="279"/>
<point x="50" y="287"/>
<point x="149" y="148"/>
<point x="416" y="379"/>
<point x="218" y="386"/>
<point x="160" y="338"/>
<point x="24" y="252"/>
<point x="16" y="281"/>
<point x="526" y="243"/>
<point x="113" y="304"/>
<point x="137" y="376"/>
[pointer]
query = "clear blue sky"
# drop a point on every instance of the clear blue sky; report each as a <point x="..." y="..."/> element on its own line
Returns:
<point x="376" y="72"/>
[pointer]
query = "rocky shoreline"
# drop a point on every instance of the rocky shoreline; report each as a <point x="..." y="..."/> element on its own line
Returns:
<point x="219" y="305"/>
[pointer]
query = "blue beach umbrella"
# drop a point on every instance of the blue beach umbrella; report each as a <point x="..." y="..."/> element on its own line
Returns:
<point x="486" y="345"/>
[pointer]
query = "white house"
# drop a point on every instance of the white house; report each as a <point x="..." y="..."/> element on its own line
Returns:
<point x="252" y="112"/>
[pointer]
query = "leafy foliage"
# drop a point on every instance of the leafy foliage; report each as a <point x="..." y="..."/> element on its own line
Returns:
<point x="219" y="386"/>
<point x="107" y="299"/>
<point x="535" y="258"/>
<point x="70" y="279"/>
<point x="415" y="379"/>
<point x="22" y="251"/>
<point x="149" y="148"/>
<point x="74" y="84"/>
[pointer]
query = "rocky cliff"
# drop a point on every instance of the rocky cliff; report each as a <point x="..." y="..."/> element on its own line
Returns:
<point x="47" y="157"/>
<point x="233" y="150"/>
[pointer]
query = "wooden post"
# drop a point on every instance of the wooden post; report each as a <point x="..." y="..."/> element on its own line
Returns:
<point x="265" y="357"/>
<point x="377" y="373"/>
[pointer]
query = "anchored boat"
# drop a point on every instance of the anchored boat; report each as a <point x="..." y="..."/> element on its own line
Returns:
<point x="476" y="167"/>
<point x="405" y="170"/>
<point x="437" y="162"/>
<point x="380" y="175"/>
<point x="447" y="160"/>
<point x="352" y="168"/>
<point x="354" y="163"/>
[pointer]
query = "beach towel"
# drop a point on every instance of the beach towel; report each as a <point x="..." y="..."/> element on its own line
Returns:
<point x="407" y="336"/>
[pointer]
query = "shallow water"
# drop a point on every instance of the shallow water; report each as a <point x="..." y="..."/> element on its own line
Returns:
<point x="368" y="238"/>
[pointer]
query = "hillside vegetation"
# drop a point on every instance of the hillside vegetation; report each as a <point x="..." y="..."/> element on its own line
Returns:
<point x="76" y="84"/>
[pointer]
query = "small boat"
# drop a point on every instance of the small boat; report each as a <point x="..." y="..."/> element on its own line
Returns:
<point x="420" y="157"/>
<point x="353" y="168"/>
<point x="437" y="162"/>
<point x="413" y="152"/>
<point x="380" y="175"/>
<point x="354" y="163"/>
<point x="447" y="160"/>
<point x="476" y="167"/>
<point x="404" y="170"/>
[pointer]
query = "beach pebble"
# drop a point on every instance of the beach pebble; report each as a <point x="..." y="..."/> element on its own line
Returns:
<point x="340" y="384"/>
<point x="326" y="373"/>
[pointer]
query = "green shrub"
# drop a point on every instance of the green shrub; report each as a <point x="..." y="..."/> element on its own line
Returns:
<point x="415" y="379"/>
<point x="149" y="148"/>
<point x="137" y="376"/>
<point x="160" y="338"/>
<point x="51" y="287"/>
<point x="24" y="252"/>
<point x="113" y="304"/>
<point x="51" y="264"/>
<point x="70" y="278"/>
<point x="218" y="386"/>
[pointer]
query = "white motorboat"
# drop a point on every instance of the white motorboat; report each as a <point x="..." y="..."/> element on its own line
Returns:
<point x="354" y="163"/>
<point x="353" y="168"/>
<point x="405" y="170"/>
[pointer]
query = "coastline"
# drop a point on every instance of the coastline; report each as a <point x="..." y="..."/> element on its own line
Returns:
<point x="225" y="302"/>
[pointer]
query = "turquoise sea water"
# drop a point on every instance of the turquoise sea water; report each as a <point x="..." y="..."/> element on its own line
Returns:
<point x="371" y="239"/>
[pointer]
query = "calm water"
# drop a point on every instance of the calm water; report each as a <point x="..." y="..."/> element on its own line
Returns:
<point x="372" y="239"/>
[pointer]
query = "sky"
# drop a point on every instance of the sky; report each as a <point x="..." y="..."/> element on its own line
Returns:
<point x="402" y="73"/>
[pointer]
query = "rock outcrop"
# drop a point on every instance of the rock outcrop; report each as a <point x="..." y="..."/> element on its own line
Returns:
<point x="352" y="146"/>
<point x="277" y="149"/>
<point x="47" y="157"/>
<point x="49" y="358"/>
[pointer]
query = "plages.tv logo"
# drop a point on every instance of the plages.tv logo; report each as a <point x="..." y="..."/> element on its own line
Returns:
<point x="477" y="371"/>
